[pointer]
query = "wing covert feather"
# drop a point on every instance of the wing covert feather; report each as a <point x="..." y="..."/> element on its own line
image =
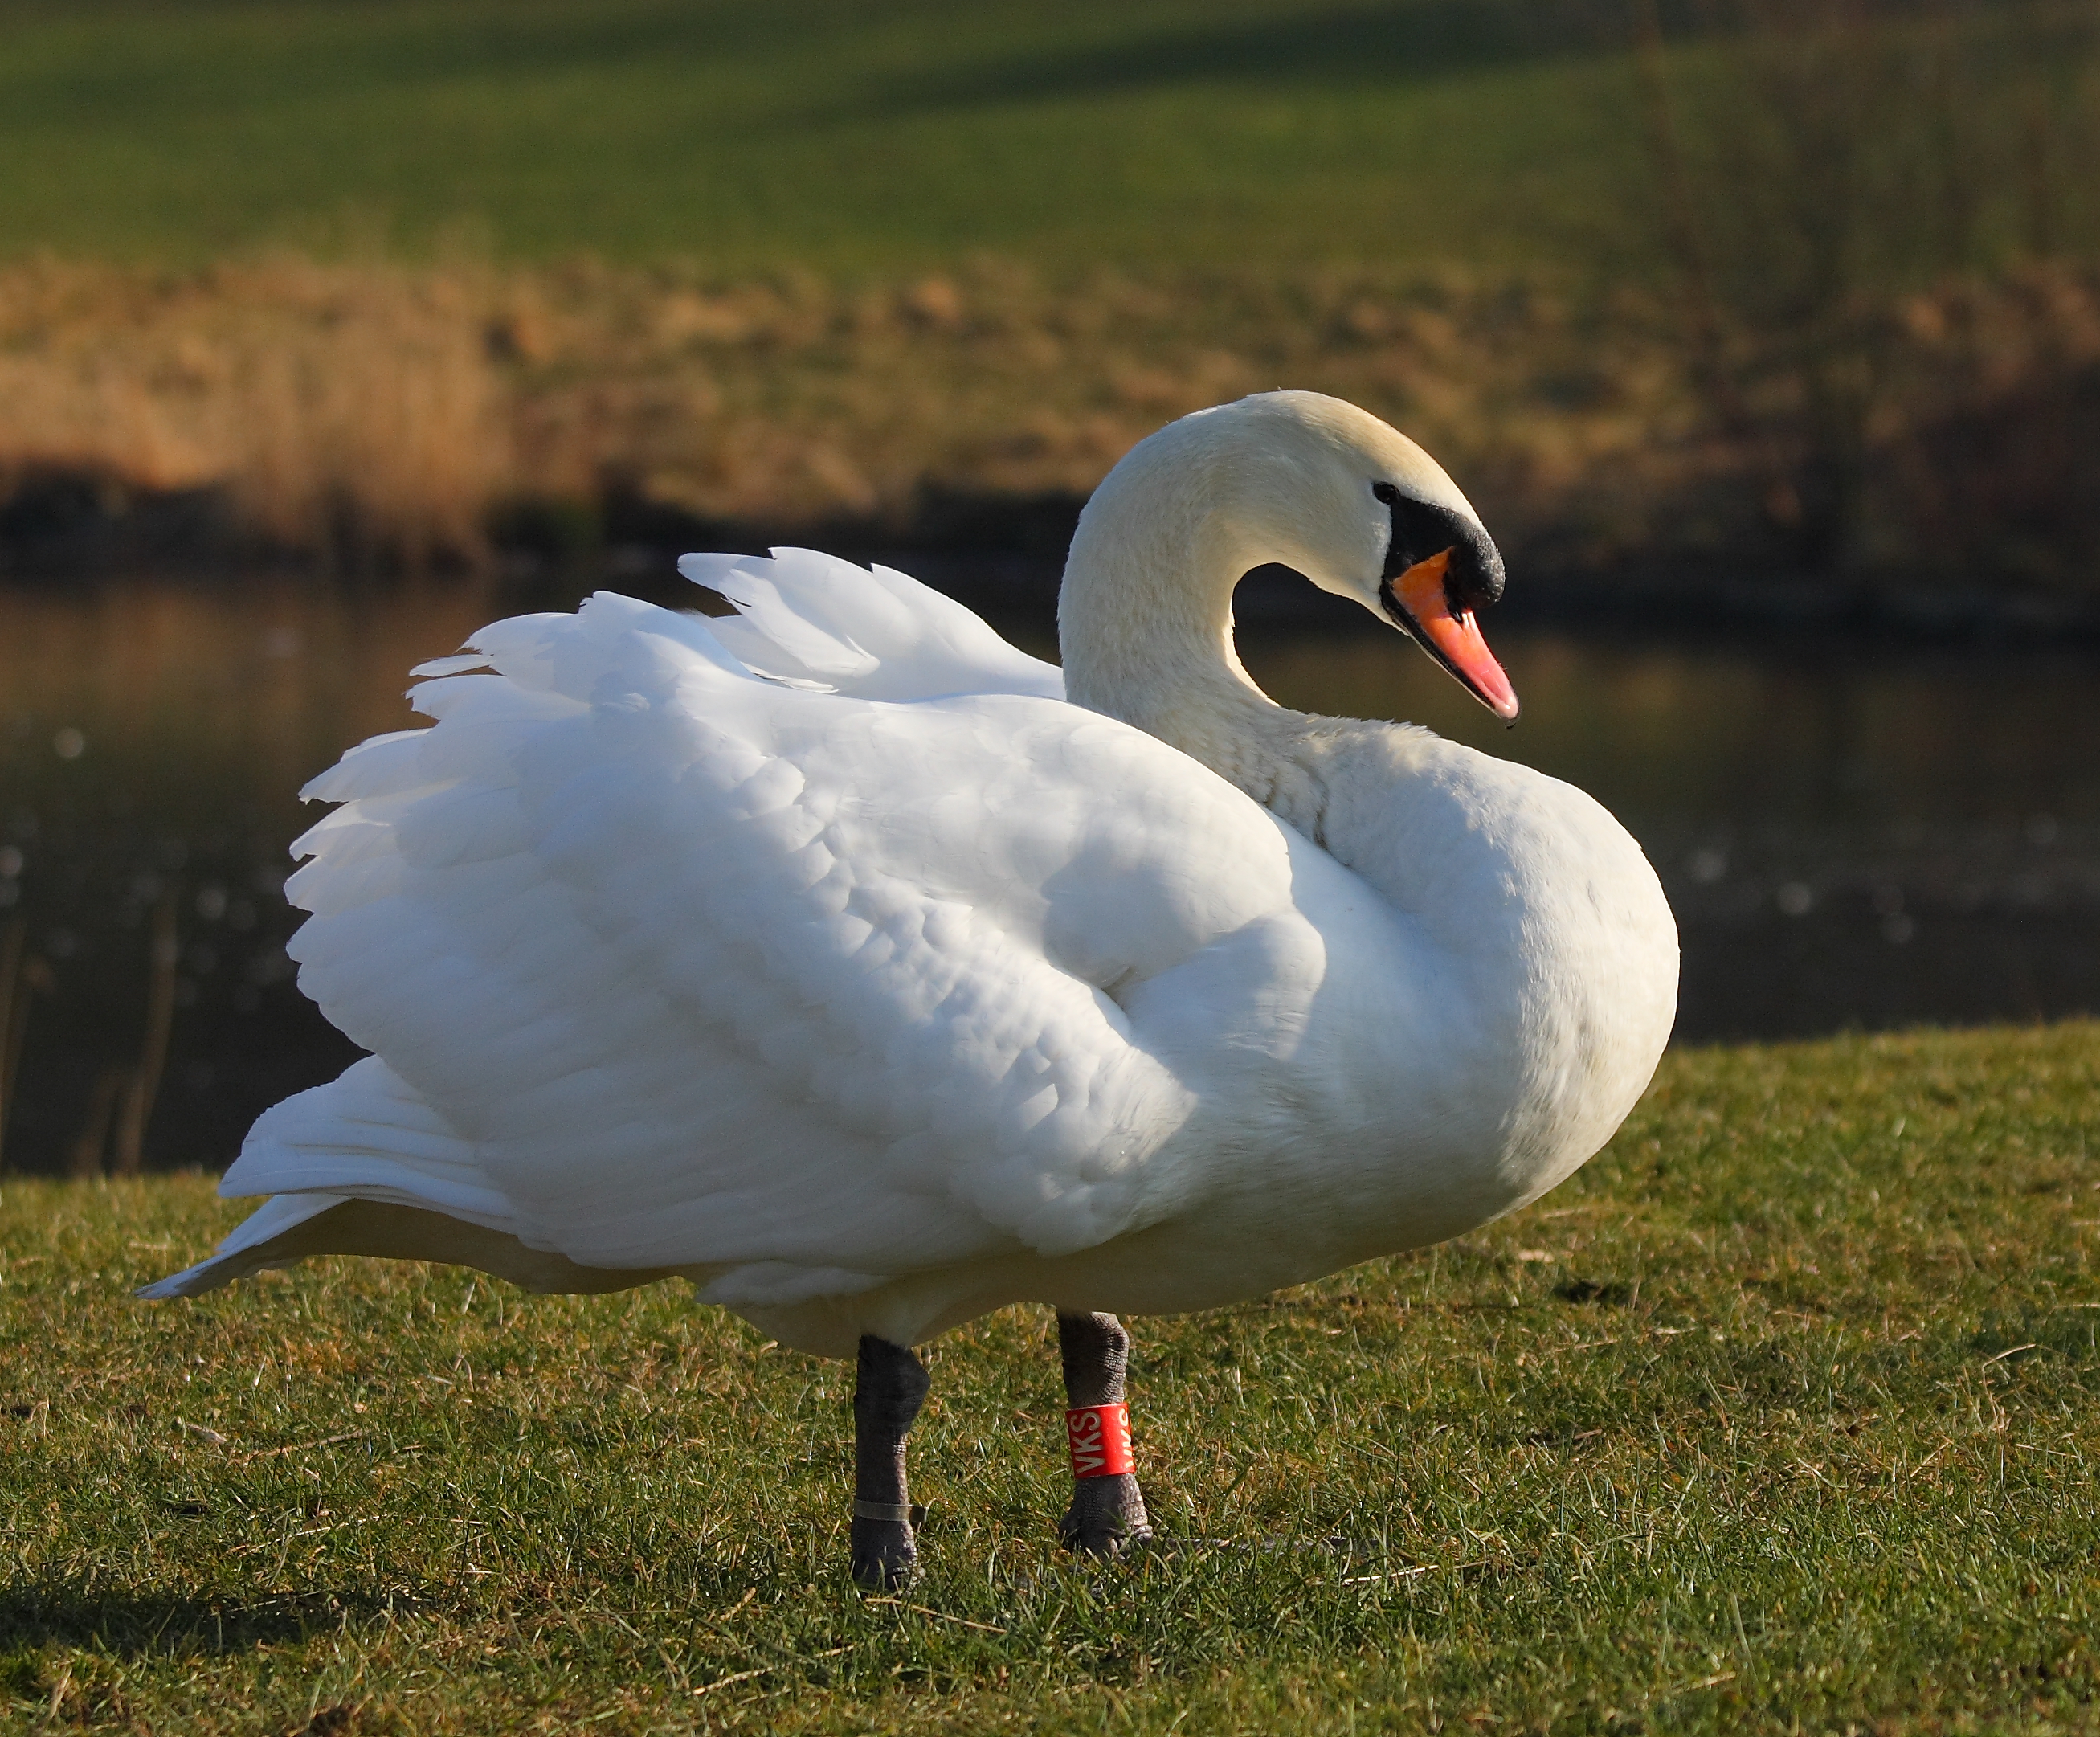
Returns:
<point x="706" y="968"/>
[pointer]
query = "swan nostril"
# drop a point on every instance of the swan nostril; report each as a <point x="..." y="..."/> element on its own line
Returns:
<point x="1463" y="592"/>
<point x="1473" y="581"/>
<point x="1465" y="599"/>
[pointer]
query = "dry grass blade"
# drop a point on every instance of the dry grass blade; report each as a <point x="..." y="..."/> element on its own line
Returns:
<point x="924" y="1610"/>
<point x="301" y="1447"/>
<point x="762" y="1670"/>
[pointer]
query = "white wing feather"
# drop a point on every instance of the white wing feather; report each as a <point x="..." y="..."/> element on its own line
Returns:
<point x="872" y="632"/>
<point x="667" y="964"/>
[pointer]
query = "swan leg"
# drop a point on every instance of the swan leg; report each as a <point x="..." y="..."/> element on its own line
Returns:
<point x="889" y="1387"/>
<point x="1107" y="1514"/>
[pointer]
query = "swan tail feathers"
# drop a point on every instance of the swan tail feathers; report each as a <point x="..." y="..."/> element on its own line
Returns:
<point x="293" y="1227"/>
<point x="246" y="1251"/>
<point x="364" y="1136"/>
<point x="367" y="1134"/>
<point x="364" y="1166"/>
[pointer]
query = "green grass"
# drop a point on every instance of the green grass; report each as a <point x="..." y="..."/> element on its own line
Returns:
<point x="814" y="132"/>
<point x="859" y="139"/>
<point x="1780" y="1416"/>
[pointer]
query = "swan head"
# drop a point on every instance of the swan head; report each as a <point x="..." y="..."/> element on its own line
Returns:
<point x="1316" y="484"/>
<point x="1364" y="512"/>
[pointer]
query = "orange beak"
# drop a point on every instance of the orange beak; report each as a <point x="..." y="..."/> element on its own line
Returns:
<point x="1417" y="600"/>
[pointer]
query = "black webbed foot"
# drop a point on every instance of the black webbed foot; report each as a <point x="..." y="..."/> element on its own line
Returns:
<point x="1107" y="1517"/>
<point x="889" y="1387"/>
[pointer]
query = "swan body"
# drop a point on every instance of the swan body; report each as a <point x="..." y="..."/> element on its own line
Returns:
<point x="872" y="975"/>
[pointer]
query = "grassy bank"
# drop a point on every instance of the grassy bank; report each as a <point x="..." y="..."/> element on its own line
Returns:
<point x="395" y="416"/>
<point x="1780" y="1416"/>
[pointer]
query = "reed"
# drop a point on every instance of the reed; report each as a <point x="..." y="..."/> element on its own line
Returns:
<point x="1822" y="155"/>
<point x="342" y="410"/>
<point x="386" y="415"/>
<point x="23" y="975"/>
<point x="143" y="1084"/>
<point x="121" y="1107"/>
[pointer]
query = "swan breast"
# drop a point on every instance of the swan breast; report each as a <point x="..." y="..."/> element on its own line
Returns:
<point x="1550" y="947"/>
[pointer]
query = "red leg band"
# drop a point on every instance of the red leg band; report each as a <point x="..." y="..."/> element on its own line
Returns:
<point x="1099" y="1438"/>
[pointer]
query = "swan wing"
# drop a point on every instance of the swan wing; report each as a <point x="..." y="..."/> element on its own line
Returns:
<point x="668" y="965"/>
<point x="872" y="632"/>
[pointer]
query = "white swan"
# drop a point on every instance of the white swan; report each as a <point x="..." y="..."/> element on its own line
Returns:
<point x="873" y="975"/>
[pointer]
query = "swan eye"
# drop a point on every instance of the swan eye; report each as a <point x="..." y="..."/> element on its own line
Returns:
<point x="1384" y="492"/>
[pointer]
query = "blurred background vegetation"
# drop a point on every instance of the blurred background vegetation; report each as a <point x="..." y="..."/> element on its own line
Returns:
<point x="1725" y="288"/>
<point x="1764" y="334"/>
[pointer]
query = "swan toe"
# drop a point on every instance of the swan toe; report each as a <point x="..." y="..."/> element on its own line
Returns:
<point x="885" y="1554"/>
<point x="1107" y="1518"/>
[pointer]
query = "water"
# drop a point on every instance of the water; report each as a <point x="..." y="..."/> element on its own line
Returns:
<point x="1849" y="835"/>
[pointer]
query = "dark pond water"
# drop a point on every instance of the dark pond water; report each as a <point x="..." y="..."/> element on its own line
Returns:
<point x="1851" y="834"/>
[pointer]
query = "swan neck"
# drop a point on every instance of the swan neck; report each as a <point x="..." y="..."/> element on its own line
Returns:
<point x="1145" y="616"/>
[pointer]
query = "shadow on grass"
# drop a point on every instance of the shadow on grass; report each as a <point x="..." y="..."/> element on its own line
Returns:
<point x="2067" y="1335"/>
<point x="1382" y="44"/>
<point x="138" y="1624"/>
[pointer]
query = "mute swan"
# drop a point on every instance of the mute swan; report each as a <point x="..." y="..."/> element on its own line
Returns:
<point x="872" y="974"/>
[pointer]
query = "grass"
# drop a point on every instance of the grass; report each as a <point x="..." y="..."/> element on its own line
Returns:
<point x="1780" y="1416"/>
<point x="852" y="138"/>
<point x="814" y="132"/>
